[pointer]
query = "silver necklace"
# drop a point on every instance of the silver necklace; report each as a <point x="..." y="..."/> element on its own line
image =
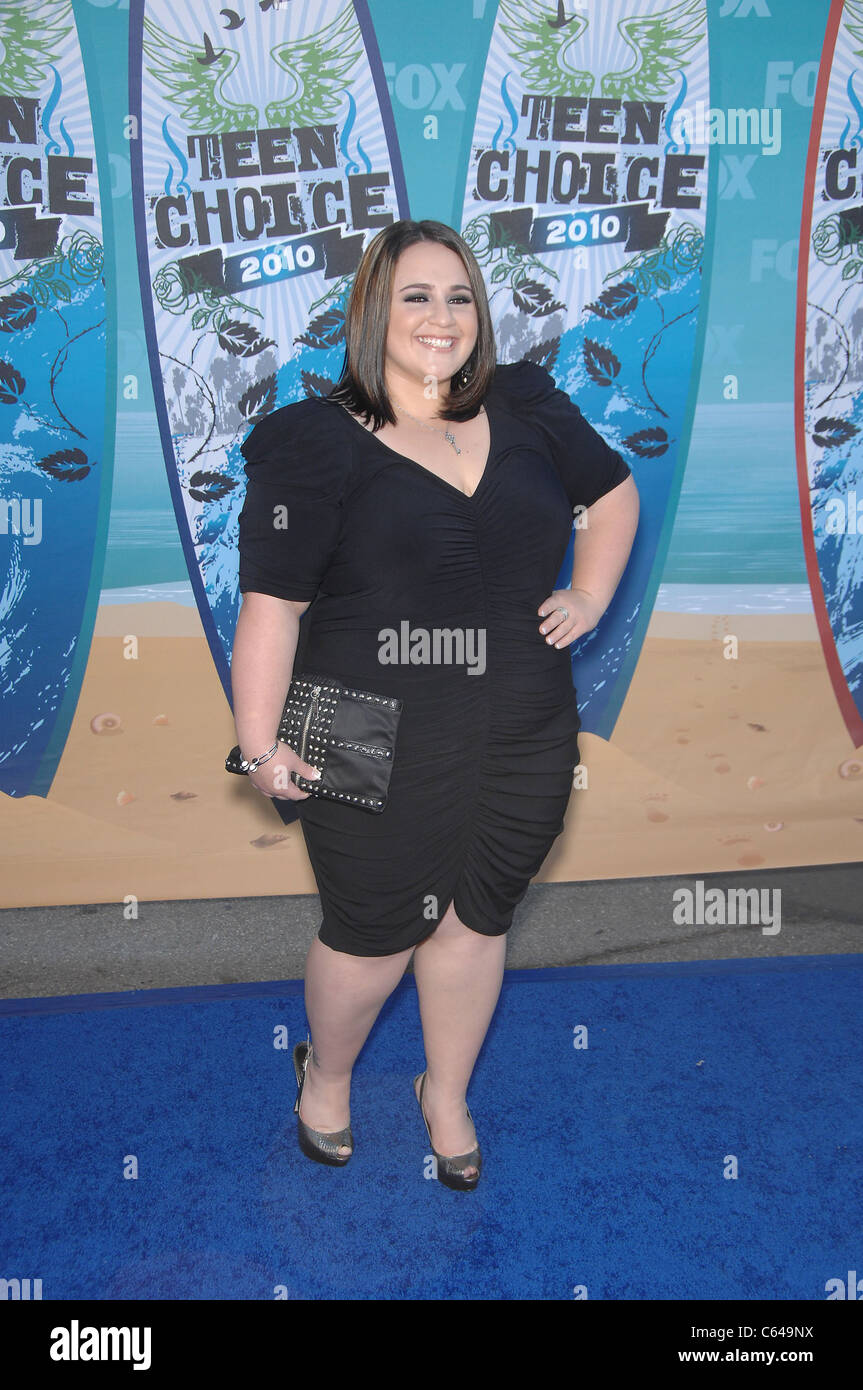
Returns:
<point x="447" y="434"/>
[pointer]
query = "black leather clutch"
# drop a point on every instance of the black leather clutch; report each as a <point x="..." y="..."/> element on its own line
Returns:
<point x="349" y="735"/>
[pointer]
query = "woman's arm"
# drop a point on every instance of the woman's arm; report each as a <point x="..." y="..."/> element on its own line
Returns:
<point x="602" y="548"/>
<point x="265" y="644"/>
<point x="601" y="551"/>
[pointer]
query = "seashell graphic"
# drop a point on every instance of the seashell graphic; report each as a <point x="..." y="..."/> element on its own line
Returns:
<point x="774" y="825"/>
<point x="852" y="767"/>
<point x="183" y="796"/>
<point x="106" y="724"/>
<point x="161" y="719"/>
<point x="265" y="841"/>
<point x="754" y="782"/>
<point x="123" y="798"/>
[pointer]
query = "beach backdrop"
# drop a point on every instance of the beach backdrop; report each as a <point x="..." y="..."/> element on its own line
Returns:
<point x="665" y="199"/>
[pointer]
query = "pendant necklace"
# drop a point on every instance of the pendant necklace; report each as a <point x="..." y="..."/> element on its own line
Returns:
<point x="447" y="434"/>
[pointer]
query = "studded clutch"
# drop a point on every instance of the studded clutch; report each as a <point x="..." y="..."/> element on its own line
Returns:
<point x="349" y="735"/>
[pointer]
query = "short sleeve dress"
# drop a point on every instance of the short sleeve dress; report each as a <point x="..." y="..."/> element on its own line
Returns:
<point x="394" y="561"/>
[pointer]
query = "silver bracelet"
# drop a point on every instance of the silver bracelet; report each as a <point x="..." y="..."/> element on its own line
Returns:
<point x="253" y="764"/>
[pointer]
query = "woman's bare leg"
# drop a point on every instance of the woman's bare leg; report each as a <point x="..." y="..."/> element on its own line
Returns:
<point x="344" y="995"/>
<point x="459" y="974"/>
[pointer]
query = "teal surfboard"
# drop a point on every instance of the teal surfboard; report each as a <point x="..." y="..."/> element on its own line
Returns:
<point x="585" y="204"/>
<point x="56" y="393"/>
<point x="828" y="394"/>
<point x="266" y="162"/>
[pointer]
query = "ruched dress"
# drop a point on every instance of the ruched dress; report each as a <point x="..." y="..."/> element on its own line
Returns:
<point x="391" y="557"/>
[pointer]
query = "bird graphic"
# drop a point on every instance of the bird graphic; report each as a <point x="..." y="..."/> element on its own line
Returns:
<point x="562" y="18"/>
<point x="233" y="20"/>
<point x="210" y="56"/>
<point x="194" y="88"/>
<point x="555" y="59"/>
<point x="306" y="91"/>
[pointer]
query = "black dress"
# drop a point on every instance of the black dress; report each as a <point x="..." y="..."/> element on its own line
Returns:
<point x="386" y="549"/>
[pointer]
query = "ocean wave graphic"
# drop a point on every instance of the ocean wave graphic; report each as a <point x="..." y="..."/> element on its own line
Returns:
<point x="53" y="145"/>
<point x="857" y="137"/>
<point x="351" y="164"/>
<point x="674" y="146"/>
<point x="182" y="184"/>
<point x="70" y="148"/>
<point x="509" y="142"/>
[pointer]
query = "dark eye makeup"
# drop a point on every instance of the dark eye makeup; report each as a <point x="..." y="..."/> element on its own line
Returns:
<point x="459" y="298"/>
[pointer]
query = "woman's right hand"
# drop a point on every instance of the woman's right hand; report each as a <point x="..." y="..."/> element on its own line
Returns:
<point x="273" y="778"/>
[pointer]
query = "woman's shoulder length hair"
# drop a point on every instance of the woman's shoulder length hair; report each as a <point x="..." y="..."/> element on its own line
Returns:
<point x="361" y="386"/>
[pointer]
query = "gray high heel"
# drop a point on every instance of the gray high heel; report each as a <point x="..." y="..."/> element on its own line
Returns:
<point x="323" y="1148"/>
<point x="450" y="1171"/>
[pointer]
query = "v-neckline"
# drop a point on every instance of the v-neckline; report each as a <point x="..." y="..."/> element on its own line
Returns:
<point x="405" y="458"/>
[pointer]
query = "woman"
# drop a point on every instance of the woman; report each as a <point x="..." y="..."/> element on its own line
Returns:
<point x="431" y="488"/>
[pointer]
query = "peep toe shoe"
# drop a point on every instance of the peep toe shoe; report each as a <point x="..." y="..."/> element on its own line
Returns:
<point x="323" y="1148"/>
<point x="450" y="1171"/>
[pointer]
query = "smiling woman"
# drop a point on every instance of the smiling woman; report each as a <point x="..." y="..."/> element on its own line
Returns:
<point x="432" y="334"/>
<point x="393" y="315"/>
<point x="431" y="494"/>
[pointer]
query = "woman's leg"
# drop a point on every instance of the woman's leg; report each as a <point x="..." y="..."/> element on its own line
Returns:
<point x="344" y="995"/>
<point x="459" y="975"/>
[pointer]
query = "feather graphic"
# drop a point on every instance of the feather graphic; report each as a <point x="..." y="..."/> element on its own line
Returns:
<point x="852" y="10"/>
<point x="660" y="43"/>
<point x="316" y="71"/>
<point x="544" y="50"/>
<point x="196" y="88"/>
<point x="31" y="40"/>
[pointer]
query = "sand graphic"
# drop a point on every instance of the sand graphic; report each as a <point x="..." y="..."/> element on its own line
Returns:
<point x="714" y="765"/>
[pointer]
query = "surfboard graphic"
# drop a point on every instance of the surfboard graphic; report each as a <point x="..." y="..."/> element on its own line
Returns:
<point x="54" y="477"/>
<point x="267" y="160"/>
<point x="828" y="393"/>
<point x="585" y="204"/>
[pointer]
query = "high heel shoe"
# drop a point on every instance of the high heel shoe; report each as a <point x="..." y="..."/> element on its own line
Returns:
<point x="323" y="1148"/>
<point x="450" y="1171"/>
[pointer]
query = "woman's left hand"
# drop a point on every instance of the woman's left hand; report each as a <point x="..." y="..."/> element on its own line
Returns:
<point x="583" y="613"/>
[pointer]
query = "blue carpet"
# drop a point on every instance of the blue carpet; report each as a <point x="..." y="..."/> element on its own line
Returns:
<point x="604" y="1166"/>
